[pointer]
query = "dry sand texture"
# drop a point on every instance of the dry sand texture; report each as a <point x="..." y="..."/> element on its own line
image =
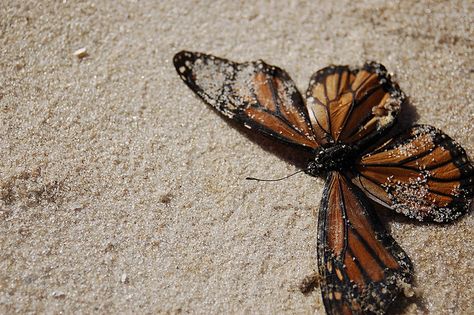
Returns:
<point x="122" y="192"/>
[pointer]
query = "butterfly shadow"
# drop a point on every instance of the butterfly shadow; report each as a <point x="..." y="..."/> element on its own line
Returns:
<point x="408" y="116"/>
<point x="292" y="154"/>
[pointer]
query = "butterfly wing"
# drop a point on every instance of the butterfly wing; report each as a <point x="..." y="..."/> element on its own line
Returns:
<point x="260" y="96"/>
<point x="361" y="266"/>
<point x="351" y="106"/>
<point x="422" y="173"/>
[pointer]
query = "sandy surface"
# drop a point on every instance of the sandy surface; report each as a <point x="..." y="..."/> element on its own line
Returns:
<point x="122" y="192"/>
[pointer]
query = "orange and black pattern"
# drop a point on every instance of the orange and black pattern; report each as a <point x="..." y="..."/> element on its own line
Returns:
<point x="262" y="97"/>
<point x="351" y="105"/>
<point x="360" y="265"/>
<point x="344" y="123"/>
<point x="422" y="173"/>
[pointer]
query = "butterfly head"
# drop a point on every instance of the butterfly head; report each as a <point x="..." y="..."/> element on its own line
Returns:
<point x="333" y="157"/>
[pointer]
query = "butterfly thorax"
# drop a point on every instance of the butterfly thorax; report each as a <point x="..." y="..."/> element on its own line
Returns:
<point x="333" y="157"/>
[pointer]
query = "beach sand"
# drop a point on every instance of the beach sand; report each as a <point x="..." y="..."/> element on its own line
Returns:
<point x="121" y="192"/>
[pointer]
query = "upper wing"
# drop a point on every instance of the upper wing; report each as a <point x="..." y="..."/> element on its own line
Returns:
<point x="422" y="173"/>
<point x="362" y="268"/>
<point x="260" y="96"/>
<point x="352" y="105"/>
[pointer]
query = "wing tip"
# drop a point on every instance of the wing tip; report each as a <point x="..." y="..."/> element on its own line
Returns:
<point x="184" y="56"/>
<point x="178" y="57"/>
<point x="386" y="80"/>
<point x="376" y="67"/>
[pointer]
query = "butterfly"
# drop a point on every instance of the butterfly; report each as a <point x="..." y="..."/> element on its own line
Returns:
<point x="344" y="124"/>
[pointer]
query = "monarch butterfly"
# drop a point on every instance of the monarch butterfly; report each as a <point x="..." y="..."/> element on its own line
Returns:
<point x="421" y="172"/>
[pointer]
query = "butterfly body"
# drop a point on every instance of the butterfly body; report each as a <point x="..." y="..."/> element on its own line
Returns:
<point x="420" y="172"/>
<point x="332" y="157"/>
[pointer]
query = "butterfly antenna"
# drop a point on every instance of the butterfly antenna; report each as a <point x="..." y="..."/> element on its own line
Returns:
<point x="273" y="180"/>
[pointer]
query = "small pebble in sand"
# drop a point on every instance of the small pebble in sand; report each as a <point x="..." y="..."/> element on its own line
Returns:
<point x="124" y="278"/>
<point x="58" y="294"/>
<point x="81" y="53"/>
<point x="76" y="207"/>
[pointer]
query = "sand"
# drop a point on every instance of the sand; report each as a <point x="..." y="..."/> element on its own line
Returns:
<point x="121" y="192"/>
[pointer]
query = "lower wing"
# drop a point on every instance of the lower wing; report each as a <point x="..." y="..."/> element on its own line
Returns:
<point x="422" y="173"/>
<point x="362" y="267"/>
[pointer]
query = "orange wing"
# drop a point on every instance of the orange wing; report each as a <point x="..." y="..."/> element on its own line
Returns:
<point x="423" y="174"/>
<point x="260" y="96"/>
<point x="361" y="266"/>
<point x="352" y="105"/>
